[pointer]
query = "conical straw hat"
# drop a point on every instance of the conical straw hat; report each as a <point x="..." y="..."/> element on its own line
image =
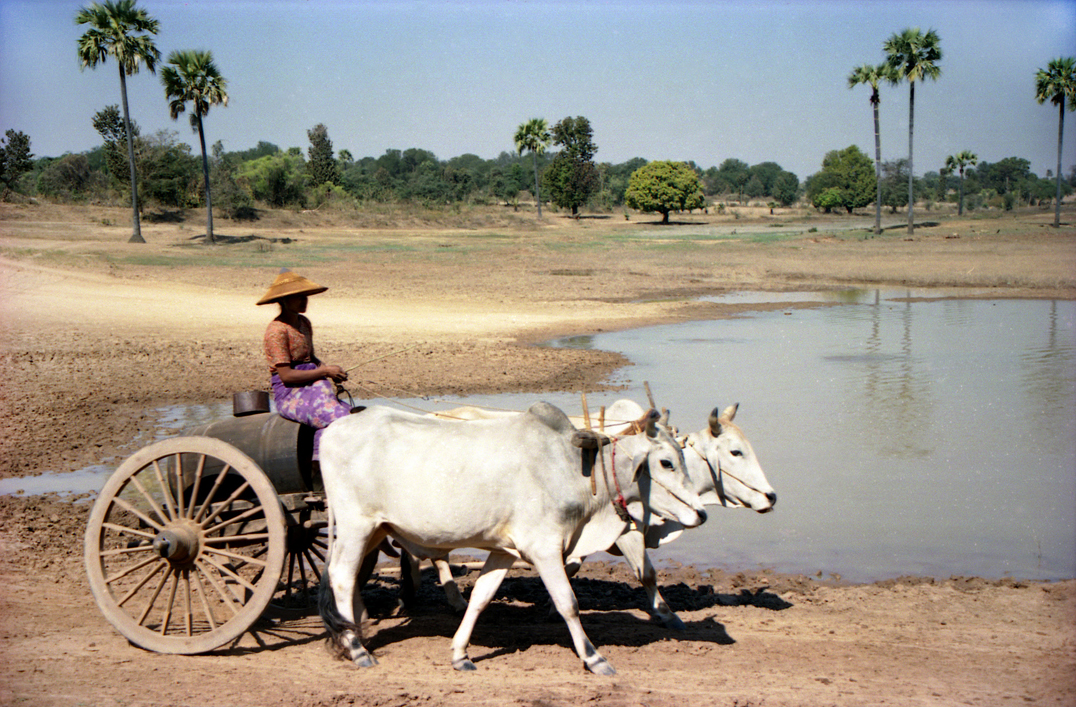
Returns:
<point x="288" y="283"/>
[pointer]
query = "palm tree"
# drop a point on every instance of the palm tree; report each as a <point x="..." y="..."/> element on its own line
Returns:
<point x="1057" y="82"/>
<point x="913" y="55"/>
<point x="192" y="76"/>
<point x="873" y="75"/>
<point x="534" y="135"/>
<point x="958" y="162"/>
<point x="119" y="29"/>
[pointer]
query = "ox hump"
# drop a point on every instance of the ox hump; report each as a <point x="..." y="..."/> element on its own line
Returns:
<point x="551" y="416"/>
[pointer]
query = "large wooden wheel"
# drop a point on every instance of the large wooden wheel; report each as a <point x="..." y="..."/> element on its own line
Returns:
<point x="185" y="545"/>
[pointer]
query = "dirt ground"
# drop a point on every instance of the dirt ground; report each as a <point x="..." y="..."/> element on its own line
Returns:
<point x="98" y="334"/>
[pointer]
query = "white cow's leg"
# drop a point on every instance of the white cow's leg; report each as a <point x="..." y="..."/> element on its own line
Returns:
<point x="348" y="552"/>
<point x="633" y="546"/>
<point x="551" y="570"/>
<point x="452" y="590"/>
<point x="497" y="565"/>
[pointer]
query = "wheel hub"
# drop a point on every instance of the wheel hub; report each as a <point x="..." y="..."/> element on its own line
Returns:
<point x="177" y="543"/>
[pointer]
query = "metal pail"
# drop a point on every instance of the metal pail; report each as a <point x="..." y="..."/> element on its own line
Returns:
<point x="250" y="402"/>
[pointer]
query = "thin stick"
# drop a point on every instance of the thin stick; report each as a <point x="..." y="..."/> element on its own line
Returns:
<point x="378" y="358"/>
<point x="586" y="411"/>
<point x="649" y="395"/>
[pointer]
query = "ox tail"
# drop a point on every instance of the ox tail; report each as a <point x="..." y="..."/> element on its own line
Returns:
<point x="334" y="623"/>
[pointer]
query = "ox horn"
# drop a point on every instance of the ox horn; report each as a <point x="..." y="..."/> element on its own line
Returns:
<point x="719" y="417"/>
<point x="649" y="422"/>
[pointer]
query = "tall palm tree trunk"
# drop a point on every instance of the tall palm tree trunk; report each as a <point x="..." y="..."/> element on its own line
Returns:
<point x="877" y="173"/>
<point x="136" y="236"/>
<point x="960" y="207"/>
<point x="911" y="171"/>
<point x="1060" y="133"/>
<point x="205" y="175"/>
<point x="537" y="194"/>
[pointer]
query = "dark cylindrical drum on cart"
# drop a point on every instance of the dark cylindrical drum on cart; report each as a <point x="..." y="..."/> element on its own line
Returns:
<point x="281" y="447"/>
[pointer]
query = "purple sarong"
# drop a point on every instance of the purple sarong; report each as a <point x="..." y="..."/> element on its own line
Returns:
<point x="314" y="404"/>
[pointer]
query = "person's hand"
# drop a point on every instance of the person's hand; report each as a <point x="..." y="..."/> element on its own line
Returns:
<point x="335" y="373"/>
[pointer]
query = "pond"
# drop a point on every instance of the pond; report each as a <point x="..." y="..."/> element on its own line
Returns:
<point x="904" y="433"/>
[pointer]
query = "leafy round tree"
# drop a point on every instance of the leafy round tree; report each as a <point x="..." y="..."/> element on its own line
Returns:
<point x="192" y="77"/>
<point x="851" y="173"/>
<point x="1057" y="83"/>
<point x="663" y="187"/>
<point x="120" y="30"/>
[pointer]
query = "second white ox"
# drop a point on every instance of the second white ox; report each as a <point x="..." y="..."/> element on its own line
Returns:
<point x="517" y="486"/>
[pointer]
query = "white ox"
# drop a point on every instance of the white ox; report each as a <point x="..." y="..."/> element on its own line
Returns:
<point x="517" y="486"/>
<point x="721" y="465"/>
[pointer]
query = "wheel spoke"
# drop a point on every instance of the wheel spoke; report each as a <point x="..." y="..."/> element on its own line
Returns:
<point x="173" y="585"/>
<point x="166" y="492"/>
<point x="245" y="559"/>
<point x="215" y="581"/>
<point x="132" y="569"/>
<point x="123" y="529"/>
<point x="229" y="573"/>
<point x="231" y="519"/>
<point x="197" y="484"/>
<point x="153" y="597"/>
<point x="149" y="575"/>
<point x="187" y="601"/>
<point x="150" y="501"/>
<point x="226" y="504"/>
<point x="203" y="598"/>
<point x="143" y="517"/>
<point x="212" y="493"/>
<point x="242" y="537"/>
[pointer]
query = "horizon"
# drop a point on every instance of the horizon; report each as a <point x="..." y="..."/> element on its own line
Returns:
<point x="676" y="80"/>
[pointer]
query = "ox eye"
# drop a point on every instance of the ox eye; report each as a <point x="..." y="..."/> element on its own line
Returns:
<point x="736" y="453"/>
<point x="665" y="463"/>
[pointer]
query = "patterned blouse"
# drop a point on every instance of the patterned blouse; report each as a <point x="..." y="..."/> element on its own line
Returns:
<point x="286" y="344"/>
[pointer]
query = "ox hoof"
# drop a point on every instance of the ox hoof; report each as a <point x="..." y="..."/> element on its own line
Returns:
<point x="464" y="665"/>
<point x="672" y="621"/>
<point x="601" y="667"/>
<point x="366" y="660"/>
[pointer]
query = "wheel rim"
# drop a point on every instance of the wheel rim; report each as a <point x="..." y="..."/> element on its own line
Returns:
<point x="185" y="544"/>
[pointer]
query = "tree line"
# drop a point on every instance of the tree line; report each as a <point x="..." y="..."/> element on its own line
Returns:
<point x="171" y="176"/>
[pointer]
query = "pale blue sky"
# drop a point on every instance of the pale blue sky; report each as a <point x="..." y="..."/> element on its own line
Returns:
<point x="682" y="80"/>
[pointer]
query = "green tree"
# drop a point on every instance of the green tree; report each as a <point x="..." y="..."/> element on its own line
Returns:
<point x="573" y="177"/>
<point x="120" y="30"/>
<point x="534" y="136"/>
<point x="851" y="173"/>
<point x="15" y="157"/>
<point x="191" y="76"/>
<point x="913" y="56"/>
<point x="1057" y="83"/>
<point x="959" y="162"/>
<point x="732" y="176"/>
<point x="894" y="189"/>
<point x="662" y="187"/>
<point x="278" y="179"/>
<point x="110" y="125"/>
<point x="322" y="165"/>
<point x="872" y="76"/>
<point x="66" y="178"/>
<point x="785" y="188"/>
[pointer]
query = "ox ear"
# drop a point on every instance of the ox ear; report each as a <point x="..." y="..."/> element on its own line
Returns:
<point x="588" y="439"/>
<point x="721" y="417"/>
